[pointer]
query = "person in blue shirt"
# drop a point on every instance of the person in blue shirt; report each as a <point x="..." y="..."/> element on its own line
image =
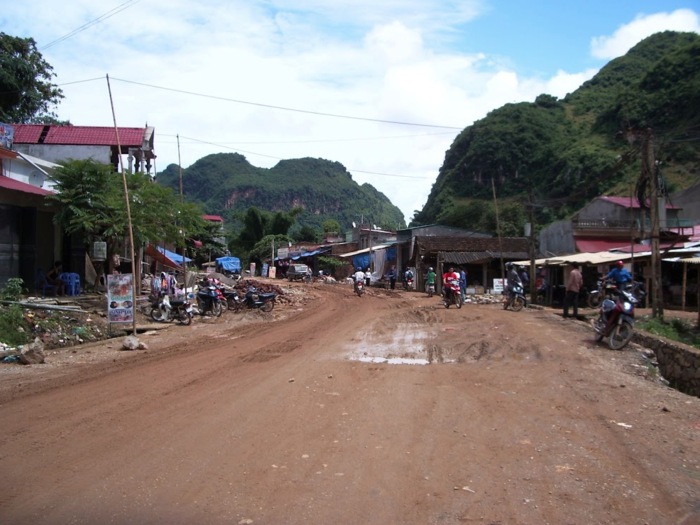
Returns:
<point x="621" y="276"/>
<point x="463" y="284"/>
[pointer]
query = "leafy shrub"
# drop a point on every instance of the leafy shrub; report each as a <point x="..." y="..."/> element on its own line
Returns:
<point x="13" y="289"/>
<point x="10" y="323"/>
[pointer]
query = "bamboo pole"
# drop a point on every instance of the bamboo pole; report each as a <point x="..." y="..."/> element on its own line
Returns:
<point x="184" y="240"/>
<point x="126" y="198"/>
<point x="685" y="282"/>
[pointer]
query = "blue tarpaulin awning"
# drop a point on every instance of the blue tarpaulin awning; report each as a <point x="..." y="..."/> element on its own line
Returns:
<point x="176" y="257"/>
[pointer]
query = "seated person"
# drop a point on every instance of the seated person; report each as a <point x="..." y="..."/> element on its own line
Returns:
<point x="53" y="277"/>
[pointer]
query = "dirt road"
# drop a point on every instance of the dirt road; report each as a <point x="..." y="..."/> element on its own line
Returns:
<point x="520" y="418"/>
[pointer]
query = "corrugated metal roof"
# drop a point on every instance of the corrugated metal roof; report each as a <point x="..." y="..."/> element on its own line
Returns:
<point x="582" y="258"/>
<point x="477" y="257"/>
<point x="472" y="244"/>
<point x="630" y="203"/>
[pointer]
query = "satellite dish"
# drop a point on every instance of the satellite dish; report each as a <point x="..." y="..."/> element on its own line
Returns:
<point x="354" y="225"/>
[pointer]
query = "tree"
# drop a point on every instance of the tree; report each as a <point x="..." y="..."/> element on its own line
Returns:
<point x="91" y="199"/>
<point x="331" y="226"/>
<point x="306" y="233"/>
<point x="26" y="91"/>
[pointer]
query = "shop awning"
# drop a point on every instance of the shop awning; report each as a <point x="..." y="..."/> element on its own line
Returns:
<point x="592" y="259"/>
<point x="15" y="185"/>
<point x="165" y="257"/>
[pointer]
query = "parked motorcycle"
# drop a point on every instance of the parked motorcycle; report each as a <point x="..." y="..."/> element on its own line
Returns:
<point x="165" y="310"/>
<point x="516" y="299"/>
<point x="452" y="294"/>
<point x="254" y="299"/>
<point x="605" y="290"/>
<point x="209" y="301"/>
<point x="616" y="320"/>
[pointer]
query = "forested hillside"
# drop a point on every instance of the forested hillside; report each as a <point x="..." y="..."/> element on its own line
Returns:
<point x="552" y="156"/>
<point x="224" y="183"/>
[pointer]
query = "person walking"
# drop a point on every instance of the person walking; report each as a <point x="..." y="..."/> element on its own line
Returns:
<point x="573" y="287"/>
<point x="463" y="284"/>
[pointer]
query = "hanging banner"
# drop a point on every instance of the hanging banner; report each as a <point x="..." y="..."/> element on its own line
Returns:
<point x="120" y="298"/>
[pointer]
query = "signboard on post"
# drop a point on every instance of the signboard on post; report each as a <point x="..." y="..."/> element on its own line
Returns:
<point x="120" y="298"/>
<point x="265" y="268"/>
<point x="498" y="286"/>
<point x="282" y="253"/>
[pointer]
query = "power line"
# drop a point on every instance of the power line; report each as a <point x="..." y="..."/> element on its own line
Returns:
<point x="101" y="18"/>
<point x="327" y="140"/>
<point x="270" y="106"/>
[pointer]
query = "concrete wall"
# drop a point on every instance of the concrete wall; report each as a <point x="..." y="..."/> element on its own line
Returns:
<point x="689" y="200"/>
<point x="56" y="153"/>
<point x="679" y="364"/>
<point x="557" y="238"/>
<point x="598" y="210"/>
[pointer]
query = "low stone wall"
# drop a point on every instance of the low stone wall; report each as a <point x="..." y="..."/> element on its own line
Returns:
<point x="679" y="364"/>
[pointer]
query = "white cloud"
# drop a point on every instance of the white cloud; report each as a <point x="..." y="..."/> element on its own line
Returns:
<point x="628" y="35"/>
<point x="362" y="58"/>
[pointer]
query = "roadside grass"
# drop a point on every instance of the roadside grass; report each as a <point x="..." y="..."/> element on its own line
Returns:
<point x="674" y="329"/>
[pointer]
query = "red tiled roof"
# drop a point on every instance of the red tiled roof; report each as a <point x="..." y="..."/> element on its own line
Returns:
<point x="630" y="203"/>
<point x="78" y="135"/>
<point x="214" y="218"/>
<point x="15" y="185"/>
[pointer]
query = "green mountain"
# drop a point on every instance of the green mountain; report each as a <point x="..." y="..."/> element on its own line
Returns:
<point x="226" y="182"/>
<point x="552" y="156"/>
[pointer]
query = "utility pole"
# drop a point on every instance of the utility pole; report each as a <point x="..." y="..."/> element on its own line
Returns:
<point x="533" y="269"/>
<point x="648" y="163"/>
<point x="498" y="230"/>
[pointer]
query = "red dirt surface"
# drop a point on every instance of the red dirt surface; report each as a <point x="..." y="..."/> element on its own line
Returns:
<point x="296" y="417"/>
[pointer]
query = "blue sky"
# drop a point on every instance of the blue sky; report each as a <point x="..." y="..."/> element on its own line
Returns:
<point x="392" y="62"/>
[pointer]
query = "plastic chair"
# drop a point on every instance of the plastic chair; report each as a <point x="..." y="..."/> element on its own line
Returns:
<point x="71" y="283"/>
<point x="41" y="283"/>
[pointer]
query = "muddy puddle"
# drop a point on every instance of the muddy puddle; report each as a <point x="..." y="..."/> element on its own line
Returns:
<point x="401" y="344"/>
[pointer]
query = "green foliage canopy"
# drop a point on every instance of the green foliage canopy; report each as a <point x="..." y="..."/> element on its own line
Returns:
<point x="26" y="91"/>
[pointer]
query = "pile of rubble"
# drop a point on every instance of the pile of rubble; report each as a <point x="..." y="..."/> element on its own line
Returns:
<point x="52" y="326"/>
<point x="485" y="298"/>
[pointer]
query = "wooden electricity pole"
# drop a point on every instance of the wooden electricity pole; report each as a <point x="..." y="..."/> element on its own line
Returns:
<point x="648" y="164"/>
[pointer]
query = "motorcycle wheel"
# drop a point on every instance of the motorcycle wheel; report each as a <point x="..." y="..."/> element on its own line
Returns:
<point x="598" y="326"/>
<point x="267" y="306"/>
<point x="157" y="315"/>
<point x="517" y="304"/>
<point x="185" y="318"/>
<point x="216" y="309"/>
<point x="233" y="306"/>
<point x="224" y="306"/>
<point x="621" y="335"/>
<point x="458" y="301"/>
<point x="594" y="299"/>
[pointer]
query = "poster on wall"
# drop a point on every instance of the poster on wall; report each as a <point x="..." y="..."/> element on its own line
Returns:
<point x="120" y="298"/>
